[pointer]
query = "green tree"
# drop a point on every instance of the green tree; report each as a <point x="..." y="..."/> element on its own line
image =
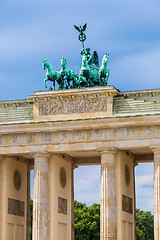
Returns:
<point x="87" y="221"/>
<point x="31" y="217"/>
<point x="144" y="225"/>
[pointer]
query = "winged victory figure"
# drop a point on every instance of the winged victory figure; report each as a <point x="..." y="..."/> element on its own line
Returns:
<point x="82" y="36"/>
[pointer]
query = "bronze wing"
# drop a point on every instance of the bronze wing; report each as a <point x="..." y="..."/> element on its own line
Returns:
<point x="77" y="28"/>
<point x="84" y="27"/>
<point x="96" y="60"/>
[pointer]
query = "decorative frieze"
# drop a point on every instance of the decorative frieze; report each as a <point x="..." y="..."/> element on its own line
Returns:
<point x="47" y="138"/>
<point x="150" y="131"/>
<point x="97" y="134"/>
<point x="73" y="106"/>
<point x="30" y="139"/>
<point x="78" y="136"/>
<point x="132" y="132"/>
<point x="64" y="137"/>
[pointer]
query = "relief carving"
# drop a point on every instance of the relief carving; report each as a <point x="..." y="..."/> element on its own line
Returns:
<point x="43" y="109"/>
<point x="63" y="177"/>
<point x="62" y="205"/>
<point x="127" y="205"/>
<point x="127" y="175"/>
<point x="114" y="133"/>
<point x="150" y="131"/>
<point x="30" y="138"/>
<point x="72" y="106"/>
<point x="17" y="180"/>
<point x="46" y="138"/>
<point x="63" y="137"/>
<point x="132" y="132"/>
<point x="91" y="135"/>
<point x="97" y="134"/>
<point x="15" y="207"/>
<point x="14" y="139"/>
<point x="1" y="140"/>
<point x="80" y="136"/>
<point x="56" y="107"/>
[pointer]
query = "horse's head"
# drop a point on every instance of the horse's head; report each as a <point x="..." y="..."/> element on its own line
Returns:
<point x="63" y="63"/>
<point x="44" y="64"/>
<point x="105" y="58"/>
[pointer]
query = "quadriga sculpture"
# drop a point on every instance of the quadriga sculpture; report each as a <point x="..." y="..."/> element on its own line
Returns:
<point x="65" y="78"/>
<point x="51" y="74"/>
<point x="68" y="76"/>
<point x="104" y="72"/>
<point x="90" y="74"/>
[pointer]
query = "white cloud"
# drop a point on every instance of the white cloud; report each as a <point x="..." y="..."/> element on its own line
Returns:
<point x="137" y="71"/>
<point x="146" y="180"/>
<point x="87" y="184"/>
<point x="144" y="186"/>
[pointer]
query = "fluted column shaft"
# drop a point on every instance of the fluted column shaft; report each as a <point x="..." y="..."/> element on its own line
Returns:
<point x="157" y="194"/>
<point x="40" y="198"/>
<point x="72" y="203"/>
<point x="28" y="204"/>
<point x="108" y="218"/>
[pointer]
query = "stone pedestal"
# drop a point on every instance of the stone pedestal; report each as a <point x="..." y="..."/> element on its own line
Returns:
<point x="157" y="194"/>
<point x="41" y="198"/>
<point x="108" y="219"/>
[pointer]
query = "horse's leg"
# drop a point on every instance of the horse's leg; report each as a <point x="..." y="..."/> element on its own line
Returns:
<point x="54" y="84"/>
<point x="45" y="80"/>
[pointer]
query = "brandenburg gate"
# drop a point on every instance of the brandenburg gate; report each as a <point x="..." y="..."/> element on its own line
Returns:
<point x="55" y="131"/>
<point x="85" y="122"/>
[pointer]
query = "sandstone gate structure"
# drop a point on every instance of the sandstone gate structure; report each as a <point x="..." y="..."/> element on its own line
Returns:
<point x="52" y="132"/>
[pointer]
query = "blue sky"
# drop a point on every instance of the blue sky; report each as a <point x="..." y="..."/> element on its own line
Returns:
<point x="34" y="30"/>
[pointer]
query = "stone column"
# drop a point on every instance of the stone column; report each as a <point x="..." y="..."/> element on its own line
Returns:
<point x="134" y="186"/>
<point x="40" y="198"/>
<point x="108" y="218"/>
<point x="28" y="203"/>
<point x="72" y="203"/>
<point x="157" y="194"/>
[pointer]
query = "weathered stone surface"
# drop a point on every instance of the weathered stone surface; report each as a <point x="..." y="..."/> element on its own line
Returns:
<point x="127" y="204"/>
<point x="62" y="205"/>
<point x="15" y="207"/>
<point x="108" y="218"/>
<point x="156" y="194"/>
<point x="82" y="121"/>
<point x="41" y="198"/>
<point x="72" y="106"/>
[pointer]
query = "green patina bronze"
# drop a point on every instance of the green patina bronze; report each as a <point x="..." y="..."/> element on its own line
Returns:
<point x="90" y="73"/>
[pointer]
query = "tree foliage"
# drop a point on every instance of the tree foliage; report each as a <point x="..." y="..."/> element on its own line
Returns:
<point x="31" y="217"/>
<point x="144" y="225"/>
<point x="87" y="222"/>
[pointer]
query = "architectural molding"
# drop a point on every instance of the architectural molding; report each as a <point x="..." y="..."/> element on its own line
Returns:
<point x="118" y="134"/>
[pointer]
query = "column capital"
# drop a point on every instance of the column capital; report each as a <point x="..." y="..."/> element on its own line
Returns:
<point x="156" y="151"/>
<point x="108" y="158"/>
<point x="111" y="150"/>
<point x="135" y="163"/>
<point x="74" y="166"/>
<point x="41" y="155"/>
